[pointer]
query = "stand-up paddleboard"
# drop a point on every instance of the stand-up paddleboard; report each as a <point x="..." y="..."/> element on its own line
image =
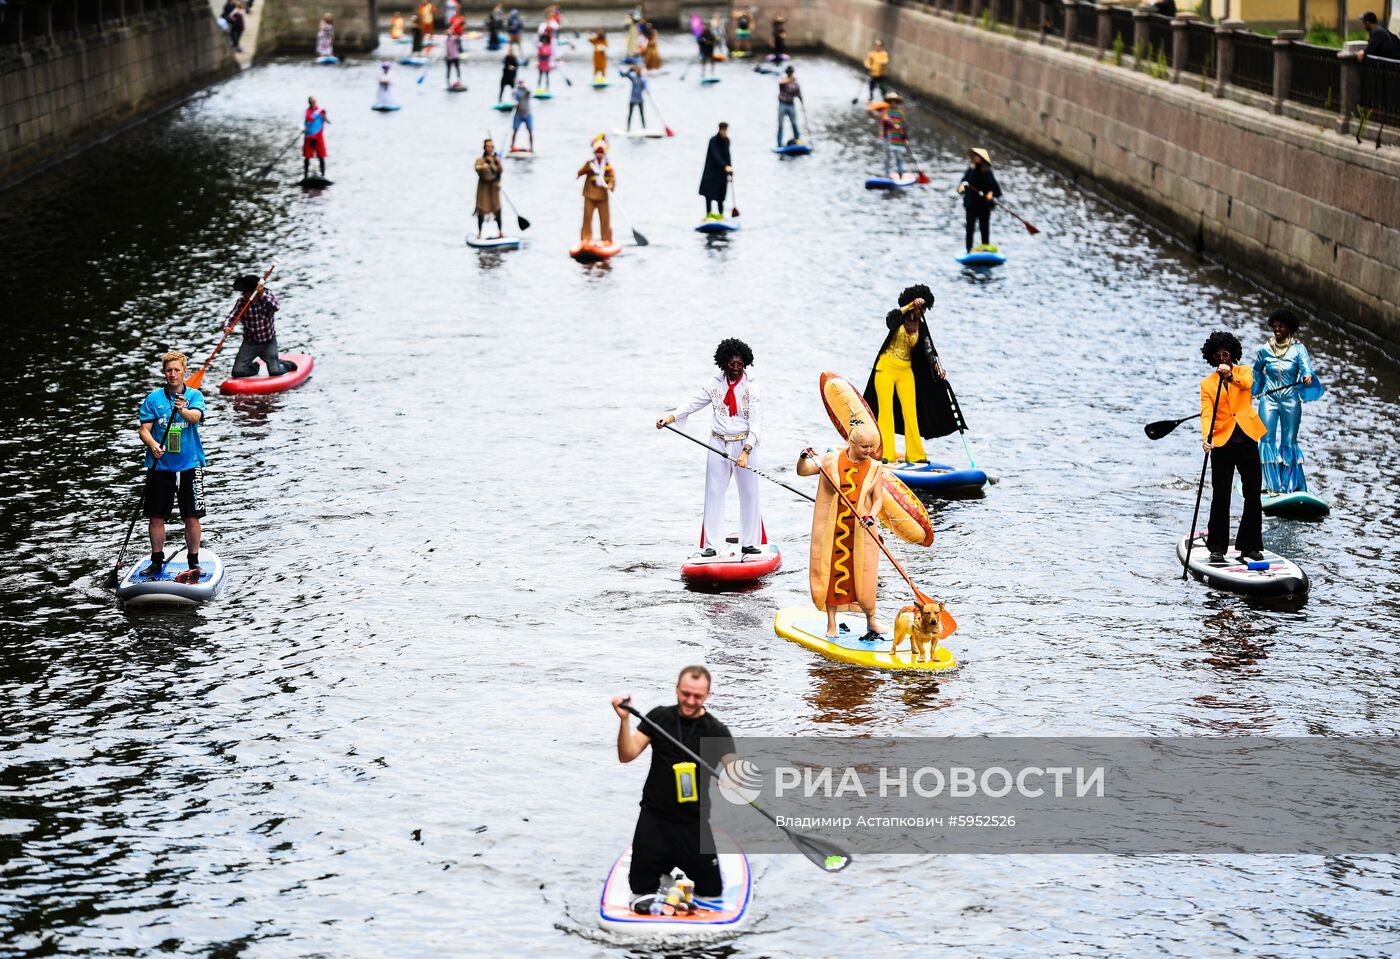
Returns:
<point x="503" y="107"/>
<point x="937" y="478"/>
<point x="713" y="917"/>
<point x="457" y="87"/>
<point x="717" y="226"/>
<point x="795" y="149"/>
<point x="244" y="385"/>
<point x="543" y="94"/>
<point x="732" y="565"/>
<point x="327" y="61"/>
<point x="384" y="107"/>
<point x="766" y="71"/>
<point x="982" y="259"/>
<point x="595" y="252"/>
<point x="520" y="153"/>
<point x="807" y="627"/>
<point x="413" y="61"/>
<point x="901" y="512"/>
<point x="494" y="243"/>
<point x="600" y="82"/>
<point x="778" y="58"/>
<point x="875" y="106"/>
<point x="630" y="60"/>
<point x="135" y="589"/>
<point x="709" y="80"/>
<point x="739" y="54"/>
<point x="891" y="183"/>
<point x="718" y="56"/>
<point x="314" y="182"/>
<point x="640" y="134"/>
<point x="1299" y="505"/>
<point x="1273" y="577"/>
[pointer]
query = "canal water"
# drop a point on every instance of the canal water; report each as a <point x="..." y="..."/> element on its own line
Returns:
<point x="391" y="736"/>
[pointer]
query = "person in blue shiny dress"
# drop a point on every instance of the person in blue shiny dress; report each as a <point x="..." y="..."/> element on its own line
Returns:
<point x="1281" y="362"/>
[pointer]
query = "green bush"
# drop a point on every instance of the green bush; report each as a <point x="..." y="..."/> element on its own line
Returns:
<point x="1118" y="49"/>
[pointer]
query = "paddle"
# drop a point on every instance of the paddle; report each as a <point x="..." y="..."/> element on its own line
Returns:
<point x="637" y="237"/>
<point x="957" y="407"/>
<point x="1161" y="428"/>
<point x="923" y="177"/>
<point x="520" y="221"/>
<point x="856" y="99"/>
<point x="687" y="67"/>
<point x="805" y="122"/>
<point x="265" y="171"/>
<point x="826" y="855"/>
<point x="734" y="208"/>
<point x="198" y="379"/>
<point x="1200" y="487"/>
<point x="792" y="489"/>
<point x="1030" y="227"/>
<point x="115" y="575"/>
<point x="659" y="116"/>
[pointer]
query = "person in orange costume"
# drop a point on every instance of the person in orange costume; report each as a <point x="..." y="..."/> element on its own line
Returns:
<point x="601" y="180"/>
<point x="845" y="559"/>
<point x="1230" y="431"/>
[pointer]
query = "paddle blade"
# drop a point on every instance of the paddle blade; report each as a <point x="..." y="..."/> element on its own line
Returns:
<point x="1161" y="428"/>
<point x="733" y="211"/>
<point x="828" y="856"/>
<point x="1030" y="228"/>
<point x="638" y="239"/>
<point x="669" y="133"/>
<point x="923" y="178"/>
<point x="195" y="381"/>
<point x="523" y="223"/>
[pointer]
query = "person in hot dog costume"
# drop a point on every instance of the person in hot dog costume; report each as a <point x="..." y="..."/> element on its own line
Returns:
<point x="734" y="428"/>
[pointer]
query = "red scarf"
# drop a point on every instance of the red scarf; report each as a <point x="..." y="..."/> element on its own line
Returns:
<point x="729" y="399"/>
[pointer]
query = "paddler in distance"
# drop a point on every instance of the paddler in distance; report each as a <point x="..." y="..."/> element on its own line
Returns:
<point x="599" y="181"/>
<point x="488" y="188"/>
<point x="714" y="181"/>
<point x="259" y="329"/>
<point x="906" y="391"/>
<point x="979" y="190"/>
<point x="732" y="398"/>
<point x="843" y="575"/>
<point x="175" y="462"/>
<point x="671" y="830"/>
<point x="313" y="143"/>
<point x="1231" y="431"/>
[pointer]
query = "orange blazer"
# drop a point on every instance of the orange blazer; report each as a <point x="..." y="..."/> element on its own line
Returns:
<point x="1236" y="407"/>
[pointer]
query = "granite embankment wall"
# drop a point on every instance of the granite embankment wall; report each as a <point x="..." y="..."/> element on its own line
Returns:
<point x="290" y="26"/>
<point x="70" y="76"/>
<point x="1303" y="210"/>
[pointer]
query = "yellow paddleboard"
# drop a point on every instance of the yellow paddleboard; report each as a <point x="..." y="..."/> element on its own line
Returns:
<point x="807" y="627"/>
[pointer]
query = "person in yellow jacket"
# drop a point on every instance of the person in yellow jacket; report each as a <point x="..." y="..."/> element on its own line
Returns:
<point x="1231" y="431"/>
<point x="876" y="62"/>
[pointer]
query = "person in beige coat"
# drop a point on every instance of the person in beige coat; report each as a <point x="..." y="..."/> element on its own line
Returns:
<point x="488" y="188"/>
<point x="599" y="181"/>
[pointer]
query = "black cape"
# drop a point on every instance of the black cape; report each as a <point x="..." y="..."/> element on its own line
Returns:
<point x="980" y="181"/>
<point x="714" y="182"/>
<point x="939" y="414"/>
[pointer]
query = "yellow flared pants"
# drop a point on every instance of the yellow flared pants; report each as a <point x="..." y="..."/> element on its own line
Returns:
<point x="893" y="377"/>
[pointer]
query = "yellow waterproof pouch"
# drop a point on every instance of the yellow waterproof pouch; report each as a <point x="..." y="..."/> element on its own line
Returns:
<point x="686" y="790"/>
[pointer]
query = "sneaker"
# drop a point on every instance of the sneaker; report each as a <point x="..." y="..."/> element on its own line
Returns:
<point x="642" y="904"/>
<point x="1216" y="558"/>
<point x="708" y="551"/>
<point x="752" y="550"/>
<point x="288" y="366"/>
<point x="1254" y="556"/>
<point x="152" y="570"/>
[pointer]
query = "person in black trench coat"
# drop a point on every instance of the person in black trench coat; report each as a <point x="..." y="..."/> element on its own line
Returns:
<point x="714" y="182"/>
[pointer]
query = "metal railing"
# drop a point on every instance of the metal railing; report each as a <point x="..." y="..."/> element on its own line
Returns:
<point x="1086" y="26"/>
<point x="1317" y="76"/>
<point x="1159" y="33"/>
<point x="1200" y="49"/>
<point x="1380" y="90"/>
<point x="1254" y="62"/>
<point x="1120" y="21"/>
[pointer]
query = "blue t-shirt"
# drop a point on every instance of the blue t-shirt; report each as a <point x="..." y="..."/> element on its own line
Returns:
<point x="639" y="85"/>
<point x="183" y="450"/>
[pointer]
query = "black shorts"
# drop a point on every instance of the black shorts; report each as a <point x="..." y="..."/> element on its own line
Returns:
<point x="160" y="493"/>
<point x="659" y="845"/>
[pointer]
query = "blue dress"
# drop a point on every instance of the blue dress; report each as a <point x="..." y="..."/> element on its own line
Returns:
<point x="1282" y="413"/>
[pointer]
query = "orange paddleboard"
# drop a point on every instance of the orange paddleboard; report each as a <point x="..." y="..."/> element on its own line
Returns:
<point x="594" y="252"/>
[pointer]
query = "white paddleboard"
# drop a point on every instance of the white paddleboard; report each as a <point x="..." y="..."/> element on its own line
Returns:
<point x="715" y="917"/>
<point x="1274" y="576"/>
<point x="136" y="589"/>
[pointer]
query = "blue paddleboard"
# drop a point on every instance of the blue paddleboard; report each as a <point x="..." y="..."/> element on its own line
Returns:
<point x="709" y="79"/>
<point x="937" y="478"/>
<point x="503" y="107"/>
<point x="327" y="61"/>
<point x="384" y="107"/>
<point x="1299" y="505"/>
<point x="717" y="226"/>
<point x="981" y="258"/>
<point x="414" y="61"/>
<point x="891" y="183"/>
<point x="798" y="149"/>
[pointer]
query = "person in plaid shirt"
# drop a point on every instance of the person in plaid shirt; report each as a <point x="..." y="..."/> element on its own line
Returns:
<point x="259" y="329"/>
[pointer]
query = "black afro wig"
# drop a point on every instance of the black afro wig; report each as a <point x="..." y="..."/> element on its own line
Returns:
<point x="729" y="347"/>
<point x="919" y="292"/>
<point x="1287" y="317"/>
<point x="1220" y="340"/>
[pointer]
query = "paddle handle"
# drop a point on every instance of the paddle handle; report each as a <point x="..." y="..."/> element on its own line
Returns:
<point x="808" y="498"/>
<point x="1200" y="488"/>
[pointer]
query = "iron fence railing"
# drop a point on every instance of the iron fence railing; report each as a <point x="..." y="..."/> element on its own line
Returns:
<point x="1200" y="49"/>
<point x="1086" y="27"/>
<point x="1317" y="76"/>
<point x="1253" y="68"/>
<point x="1380" y="90"/>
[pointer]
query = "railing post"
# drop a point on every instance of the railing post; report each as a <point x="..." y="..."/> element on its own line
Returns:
<point x="1103" y="10"/>
<point x="1142" y="44"/>
<point x="976" y="12"/>
<point x="1225" y="54"/>
<point x="1283" y="66"/>
<point x="1041" y="27"/>
<point x="1071" y="21"/>
<point x="1180" y="45"/>
<point x="1018" y="16"/>
<point x="1351" y="89"/>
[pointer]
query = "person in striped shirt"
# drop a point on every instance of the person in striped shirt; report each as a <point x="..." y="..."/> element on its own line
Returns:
<point x="895" y="132"/>
<point x="259" y="329"/>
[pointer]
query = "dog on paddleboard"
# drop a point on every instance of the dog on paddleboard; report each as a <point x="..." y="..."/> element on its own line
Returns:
<point x="922" y="626"/>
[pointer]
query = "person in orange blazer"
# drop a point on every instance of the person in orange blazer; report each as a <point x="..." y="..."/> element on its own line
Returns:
<point x="1231" y="436"/>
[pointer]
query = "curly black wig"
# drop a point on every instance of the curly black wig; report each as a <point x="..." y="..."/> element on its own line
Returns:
<point x="915" y="293"/>
<point x="728" y="348"/>
<point x="1287" y="317"/>
<point x="1221" y="340"/>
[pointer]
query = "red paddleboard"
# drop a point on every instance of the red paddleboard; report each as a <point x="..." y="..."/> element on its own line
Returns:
<point x="730" y="564"/>
<point x="244" y="385"/>
<point x="593" y="252"/>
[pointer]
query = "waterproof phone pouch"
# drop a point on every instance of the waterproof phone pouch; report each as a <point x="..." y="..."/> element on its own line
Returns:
<point x="686" y="790"/>
<point x="172" y="438"/>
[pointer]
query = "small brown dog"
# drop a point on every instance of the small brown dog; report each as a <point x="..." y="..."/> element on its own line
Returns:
<point x="922" y="626"/>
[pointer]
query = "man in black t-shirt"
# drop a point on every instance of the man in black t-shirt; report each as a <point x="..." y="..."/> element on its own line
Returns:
<point x="671" y="832"/>
<point x="1381" y="42"/>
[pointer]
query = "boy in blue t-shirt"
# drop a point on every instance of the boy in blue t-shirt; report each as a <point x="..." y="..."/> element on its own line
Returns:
<point x="170" y="419"/>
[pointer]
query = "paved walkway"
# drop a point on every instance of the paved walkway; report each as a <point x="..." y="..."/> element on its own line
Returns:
<point x="249" y="40"/>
